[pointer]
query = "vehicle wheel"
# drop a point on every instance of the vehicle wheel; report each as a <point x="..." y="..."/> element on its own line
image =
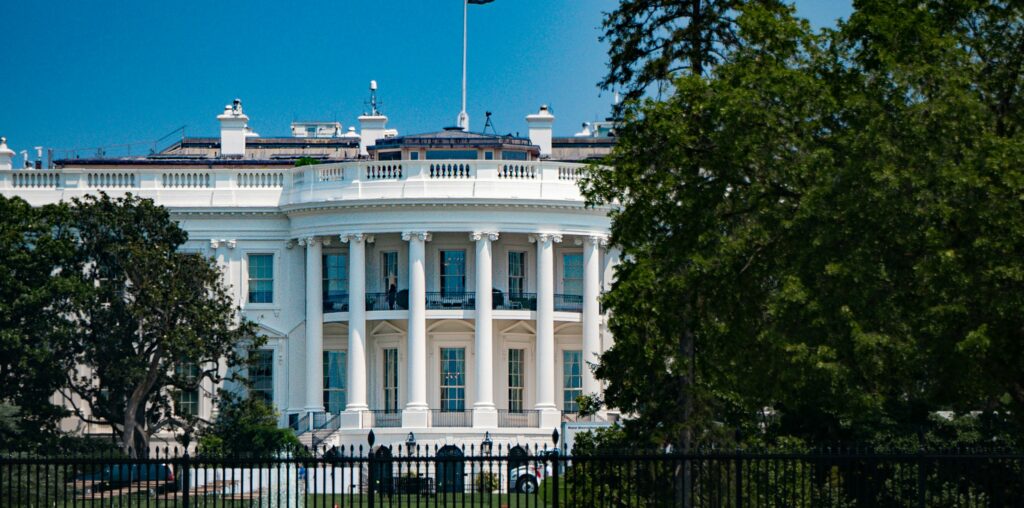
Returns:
<point x="526" y="485"/>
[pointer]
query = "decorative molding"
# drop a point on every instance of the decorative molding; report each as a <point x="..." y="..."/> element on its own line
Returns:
<point x="307" y="241"/>
<point x="214" y="243"/>
<point x="476" y="236"/>
<point x="291" y="243"/>
<point x="356" y="237"/>
<point x="544" y="237"/>
<point x="424" y="236"/>
<point x="232" y="243"/>
<point x="599" y="240"/>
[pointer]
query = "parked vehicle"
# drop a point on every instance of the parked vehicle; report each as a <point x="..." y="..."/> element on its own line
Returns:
<point x="527" y="478"/>
<point x="156" y="478"/>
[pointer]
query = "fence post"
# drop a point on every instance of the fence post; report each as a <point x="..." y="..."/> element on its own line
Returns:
<point x="185" y="480"/>
<point x="922" y="477"/>
<point x="739" y="480"/>
<point x="554" y="470"/>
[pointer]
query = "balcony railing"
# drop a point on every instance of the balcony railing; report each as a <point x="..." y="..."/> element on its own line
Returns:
<point x="442" y="418"/>
<point x="386" y="301"/>
<point x="386" y="418"/>
<point x="517" y="301"/>
<point x="336" y="302"/>
<point x="446" y="300"/>
<point x="568" y="303"/>
<point x="452" y="301"/>
<point x="514" y="419"/>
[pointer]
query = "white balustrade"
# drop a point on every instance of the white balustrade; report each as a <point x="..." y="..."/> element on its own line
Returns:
<point x="335" y="181"/>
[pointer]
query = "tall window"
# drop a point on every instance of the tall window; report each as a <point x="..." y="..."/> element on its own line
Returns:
<point x="391" y="380"/>
<point x="389" y="265"/>
<point x="572" y="379"/>
<point x="516" y="383"/>
<point x="261" y="375"/>
<point x="516" y="273"/>
<point x="187" y="398"/>
<point x="572" y="274"/>
<point x="334" y="381"/>
<point x="453" y="379"/>
<point x="335" y="281"/>
<point x="453" y="271"/>
<point x="261" y="278"/>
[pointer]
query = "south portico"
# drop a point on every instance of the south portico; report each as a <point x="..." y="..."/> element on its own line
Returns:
<point x="479" y="311"/>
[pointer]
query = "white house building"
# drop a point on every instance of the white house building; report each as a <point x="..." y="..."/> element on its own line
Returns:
<point x="444" y="284"/>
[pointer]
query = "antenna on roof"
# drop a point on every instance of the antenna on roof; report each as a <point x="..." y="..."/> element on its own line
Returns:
<point x="489" y="125"/>
<point x="373" y="98"/>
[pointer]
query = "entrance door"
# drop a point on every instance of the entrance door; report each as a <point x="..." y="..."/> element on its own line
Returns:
<point x="383" y="471"/>
<point x="450" y="469"/>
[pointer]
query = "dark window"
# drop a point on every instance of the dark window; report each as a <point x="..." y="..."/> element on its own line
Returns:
<point x="389" y="156"/>
<point x="451" y="154"/>
<point x="513" y="156"/>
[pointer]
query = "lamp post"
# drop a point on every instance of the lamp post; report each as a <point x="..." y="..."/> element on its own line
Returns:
<point x="487" y="445"/>
<point x="410" y="444"/>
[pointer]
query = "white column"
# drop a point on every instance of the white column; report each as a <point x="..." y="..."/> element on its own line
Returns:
<point x="416" y="414"/>
<point x="546" y="388"/>
<point x="314" y="324"/>
<point x="356" y="380"/>
<point x="484" y="413"/>
<point x="591" y="311"/>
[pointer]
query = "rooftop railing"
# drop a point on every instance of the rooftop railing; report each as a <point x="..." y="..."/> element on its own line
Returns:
<point x="255" y="185"/>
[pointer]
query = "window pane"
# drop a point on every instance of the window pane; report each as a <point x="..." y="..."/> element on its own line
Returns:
<point x="187" y="397"/>
<point x="515" y="380"/>
<point x="453" y="271"/>
<point x="389" y="263"/>
<point x="261" y="375"/>
<point x="451" y="154"/>
<point x="261" y="278"/>
<point x="391" y="380"/>
<point x="453" y="384"/>
<point x="335" y="280"/>
<point x="516" y="273"/>
<point x="572" y="274"/>
<point x="572" y="379"/>
<point x="334" y="381"/>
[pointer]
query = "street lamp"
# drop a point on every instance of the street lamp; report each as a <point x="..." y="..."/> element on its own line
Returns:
<point x="410" y="444"/>
<point x="487" y="445"/>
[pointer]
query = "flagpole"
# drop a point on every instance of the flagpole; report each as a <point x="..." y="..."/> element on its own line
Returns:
<point x="463" y="116"/>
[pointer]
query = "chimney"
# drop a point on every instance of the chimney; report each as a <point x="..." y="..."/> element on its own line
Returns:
<point x="6" y="154"/>
<point x="540" y="125"/>
<point x="233" y="123"/>
<point x="372" y="126"/>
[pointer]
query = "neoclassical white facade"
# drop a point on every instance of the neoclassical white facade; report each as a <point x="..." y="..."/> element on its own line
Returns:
<point x="404" y="293"/>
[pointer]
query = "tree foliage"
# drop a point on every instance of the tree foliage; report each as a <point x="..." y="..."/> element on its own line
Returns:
<point x="247" y="427"/>
<point x="34" y="245"/>
<point x="835" y="217"/>
<point x="145" y="310"/>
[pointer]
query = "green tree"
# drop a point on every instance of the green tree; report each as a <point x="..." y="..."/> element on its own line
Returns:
<point x="246" y="427"/>
<point x="34" y="354"/>
<point x="148" y="309"/>
<point x="830" y="220"/>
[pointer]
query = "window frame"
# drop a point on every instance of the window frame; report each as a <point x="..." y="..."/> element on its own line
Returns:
<point x="572" y="383"/>
<point x="267" y="393"/>
<point x="449" y="403"/>
<point x="327" y="388"/>
<point x="249" y="291"/>
<point x="442" y="276"/>
<point x="391" y="393"/>
<point x="516" y="380"/>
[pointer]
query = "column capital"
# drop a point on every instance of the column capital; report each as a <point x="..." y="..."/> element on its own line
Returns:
<point x="291" y="243"/>
<point x="476" y="236"/>
<point x="214" y="243"/>
<point x="356" y="237"/>
<point x="544" y="237"/>
<point x="422" y="235"/>
<point x="599" y="240"/>
<point x="308" y="241"/>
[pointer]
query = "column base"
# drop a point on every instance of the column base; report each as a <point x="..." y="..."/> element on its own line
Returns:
<point x="349" y="419"/>
<point x="550" y="418"/>
<point x="485" y="417"/>
<point x="415" y="418"/>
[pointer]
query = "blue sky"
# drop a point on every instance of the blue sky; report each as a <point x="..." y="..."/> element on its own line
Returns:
<point x="100" y="72"/>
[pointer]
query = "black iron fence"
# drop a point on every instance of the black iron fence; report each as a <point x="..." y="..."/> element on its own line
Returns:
<point x="516" y="476"/>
